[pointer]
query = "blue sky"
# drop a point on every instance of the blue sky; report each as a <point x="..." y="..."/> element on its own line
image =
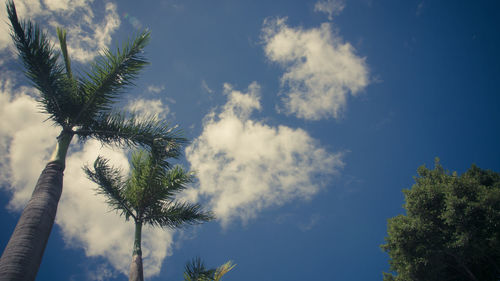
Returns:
<point x="307" y="118"/>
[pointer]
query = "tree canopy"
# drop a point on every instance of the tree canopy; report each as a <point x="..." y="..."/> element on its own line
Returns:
<point x="451" y="230"/>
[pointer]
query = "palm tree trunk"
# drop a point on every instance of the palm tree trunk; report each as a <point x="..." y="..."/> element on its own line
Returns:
<point x="23" y="254"/>
<point x="136" y="272"/>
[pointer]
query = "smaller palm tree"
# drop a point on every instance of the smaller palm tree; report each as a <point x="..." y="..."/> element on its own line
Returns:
<point x="195" y="270"/>
<point x="147" y="196"/>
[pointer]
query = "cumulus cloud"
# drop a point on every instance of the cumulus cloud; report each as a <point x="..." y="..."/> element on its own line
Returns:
<point x="149" y="107"/>
<point x="26" y="143"/>
<point x="331" y="7"/>
<point x="321" y="70"/>
<point x="244" y="166"/>
<point x="87" y="34"/>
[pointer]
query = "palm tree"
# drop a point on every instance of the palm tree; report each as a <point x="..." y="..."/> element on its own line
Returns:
<point x="79" y="106"/>
<point x="195" y="271"/>
<point x="147" y="196"/>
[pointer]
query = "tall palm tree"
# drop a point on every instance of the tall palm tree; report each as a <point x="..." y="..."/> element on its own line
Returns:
<point x="195" y="270"/>
<point x="80" y="106"/>
<point x="147" y="196"/>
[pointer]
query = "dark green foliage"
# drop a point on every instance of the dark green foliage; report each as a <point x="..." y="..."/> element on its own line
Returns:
<point x="41" y="64"/>
<point x="195" y="270"/>
<point x="451" y="230"/>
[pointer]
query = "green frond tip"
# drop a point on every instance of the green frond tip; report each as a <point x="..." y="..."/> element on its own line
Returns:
<point x="223" y="269"/>
<point x="61" y="34"/>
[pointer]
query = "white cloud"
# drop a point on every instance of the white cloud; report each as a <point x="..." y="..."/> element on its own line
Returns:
<point x="85" y="220"/>
<point x="331" y="7"/>
<point x="25" y="141"/>
<point x="156" y="89"/>
<point x="149" y="107"/>
<point x="86" y="34"/>
<point x="244" y="166"/>
<point x="101" y="273"/>
<point x="321" y="69"/>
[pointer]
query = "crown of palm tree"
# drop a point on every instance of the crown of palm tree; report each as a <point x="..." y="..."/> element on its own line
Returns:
<point x="148" y="193"/>
<point x="83" y="105"/>
<point x="195" y="270"/>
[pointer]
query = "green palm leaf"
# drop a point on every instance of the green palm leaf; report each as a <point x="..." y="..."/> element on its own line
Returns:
<point x="176" y="214"/>
<point x="129" y="130"/>
<point x="110" y="74"/>
<point x="42" y="68"/>
<point x="110" y="183"/>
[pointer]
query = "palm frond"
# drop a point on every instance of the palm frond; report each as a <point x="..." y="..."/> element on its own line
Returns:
<point x="111" y="184"/>
<point x="195" y="270"/>
<point x="120" y="129"/>
<point x="42" y="67"/>
<point x="110" y="74"/>
<point x="223" y="269"/>
<point x="176" y="214"/>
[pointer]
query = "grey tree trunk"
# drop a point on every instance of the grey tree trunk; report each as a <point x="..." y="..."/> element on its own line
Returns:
<point x="22" y="256"/>
<point x="136" y="272"/>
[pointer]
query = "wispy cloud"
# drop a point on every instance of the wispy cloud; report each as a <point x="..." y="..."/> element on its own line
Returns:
<point x="244" y="165"/>
<point x="85" y="220"/>
<point x="420" y="8"/>
<point x="156" y="89"/>
<point x="100" y="273"/>
<point x="321" y="69"/>
<point x="311" y="223"/>
<point x="330" y="7"/>
<point x="205" y="87"/>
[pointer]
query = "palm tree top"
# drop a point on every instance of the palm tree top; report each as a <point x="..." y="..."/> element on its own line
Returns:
<point x="148" y="193"/>
<point x="83" y="105"/>
<point x="195" y="270"/>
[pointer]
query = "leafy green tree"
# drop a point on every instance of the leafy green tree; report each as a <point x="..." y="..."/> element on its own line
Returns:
<point x="195" y="270"/>
<point x="147" y="196"/>
<point x="451" y="230"/>
<point x="80" y="106"/>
